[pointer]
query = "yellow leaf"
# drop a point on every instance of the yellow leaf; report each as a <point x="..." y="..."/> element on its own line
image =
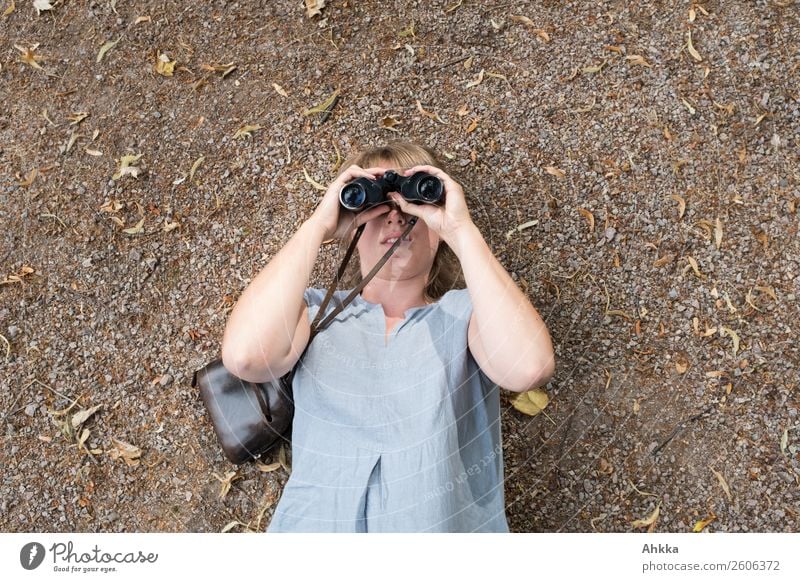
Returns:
<point x="637" y="60"/>
<point x="695" y="55"/>
<point x="473" y="125"/>
<point x="681" y="204"/>
<point x="734" y="336"/>
<point x="531" y="402"/>
<point x="164" y="66"/>
<point x="125" y="167"/>
<point x="428" y="114"/>
<point x="478" y="80"/>
<point x="105" y="48"/>
<point x="136" y="229"/>
<point x="29" y="178"/>
<point x="10" y="9"/>
<point x="195" y="165"/>
<point x="29" y="56"/>
<point x="589" y="217"/>
<point x="694" y="266"/>
<point x="701" y="524"/>
<point x="325" y="105"/>
<point x="722" y="482"/>
<point x="648" y="521"/>
<point x="313" y="182"/>
<point x="279" y="90"/>
<point x="76" y="118"/>
<point x="246" y="131"/>
<point x="553" y="171"/>
<point x="389" y="123"/>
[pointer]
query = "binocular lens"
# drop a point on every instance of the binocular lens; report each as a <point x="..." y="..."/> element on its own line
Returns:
<point x="430" y="189"/>
<point x="353" y="197"/>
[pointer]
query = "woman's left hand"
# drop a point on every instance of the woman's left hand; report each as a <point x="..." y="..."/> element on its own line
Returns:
<point x="446" y="221"/>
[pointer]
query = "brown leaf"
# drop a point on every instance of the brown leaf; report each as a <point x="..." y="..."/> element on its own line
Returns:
<point x="125" y="451"/>
<point x="428" y="114"/>
<point x="589" y="217"/>
<point x="648" y="521"/>
<point x="553" y="171"/>
<point x="723" y="483"/>
<point x="29" y="56"/>
<point x="695" y="55"/>
<point x="390" y="122"/>
<point x="314" y="7"/>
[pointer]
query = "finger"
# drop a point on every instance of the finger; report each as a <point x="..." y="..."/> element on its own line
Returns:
<point x="404" y="205"/>
<point x="368" y="215"/>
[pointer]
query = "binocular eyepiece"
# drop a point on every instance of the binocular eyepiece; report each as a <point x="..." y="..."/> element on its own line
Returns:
<point x="418" y="188"/>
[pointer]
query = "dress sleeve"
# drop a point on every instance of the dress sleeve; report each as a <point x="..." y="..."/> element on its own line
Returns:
<point x="458" y="305"/>
<point x="313" y="298"/>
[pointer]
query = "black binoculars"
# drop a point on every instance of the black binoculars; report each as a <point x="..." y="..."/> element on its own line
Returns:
<point x="418" y="188"/>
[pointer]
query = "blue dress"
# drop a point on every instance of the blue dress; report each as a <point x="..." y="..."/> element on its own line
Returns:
<point x="401" y="436"/>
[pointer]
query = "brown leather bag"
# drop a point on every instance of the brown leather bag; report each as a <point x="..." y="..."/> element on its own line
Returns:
<point x="250" y="418"/>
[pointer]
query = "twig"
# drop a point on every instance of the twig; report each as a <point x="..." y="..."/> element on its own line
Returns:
<point x="679" y="427"/>
<point x="447" y="64"/>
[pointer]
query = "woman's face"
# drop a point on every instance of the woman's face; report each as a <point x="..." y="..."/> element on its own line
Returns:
<point x="411" y="258"/>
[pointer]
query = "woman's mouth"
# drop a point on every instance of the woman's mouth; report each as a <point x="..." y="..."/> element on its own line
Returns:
<point x="391" y="241"/>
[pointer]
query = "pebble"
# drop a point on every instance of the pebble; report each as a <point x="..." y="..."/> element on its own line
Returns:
<point x="166" y="380"/>
<point x="30" y="410"/>
<point x="13" y="331"/>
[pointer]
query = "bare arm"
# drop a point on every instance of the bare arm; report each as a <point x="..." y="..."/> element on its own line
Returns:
<point x="507" y="337"/>
<point x="268" y="328"/>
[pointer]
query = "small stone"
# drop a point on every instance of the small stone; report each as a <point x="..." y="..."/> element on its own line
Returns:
<point x="165" y="380"/>
<point x="30" y="410"/>
<point x="135" y="255"/>
<point x="87" y="262"/>
<point x="13" y="331"/>
<point x="673" y="294"/>
<point x="610" y="233"/>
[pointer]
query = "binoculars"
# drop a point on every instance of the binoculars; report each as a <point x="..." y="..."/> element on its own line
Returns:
<point x="418" y="188"/>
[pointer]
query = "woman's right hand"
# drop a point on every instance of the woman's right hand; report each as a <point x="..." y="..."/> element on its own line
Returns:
<point x="336" y="220"/>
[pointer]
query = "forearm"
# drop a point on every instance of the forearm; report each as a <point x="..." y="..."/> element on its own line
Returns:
<point x="513" y="337"/>
<point x="263" y="322"/>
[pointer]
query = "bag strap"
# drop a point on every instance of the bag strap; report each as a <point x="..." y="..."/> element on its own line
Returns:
<point x="316" y="326"/>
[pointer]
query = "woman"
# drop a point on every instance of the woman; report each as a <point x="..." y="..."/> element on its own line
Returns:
<point x="397" y="413"/>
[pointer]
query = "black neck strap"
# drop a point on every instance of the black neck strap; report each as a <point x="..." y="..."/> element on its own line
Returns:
<point x="316" y="325"/>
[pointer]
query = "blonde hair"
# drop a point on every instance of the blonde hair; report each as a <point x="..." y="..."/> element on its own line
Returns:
<point x="445" y="273"/>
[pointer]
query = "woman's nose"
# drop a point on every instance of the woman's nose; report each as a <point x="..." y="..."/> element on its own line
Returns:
<point x="395" y="215"/>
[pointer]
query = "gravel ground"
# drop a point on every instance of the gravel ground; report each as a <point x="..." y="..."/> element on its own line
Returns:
<point x="663" y="177"/>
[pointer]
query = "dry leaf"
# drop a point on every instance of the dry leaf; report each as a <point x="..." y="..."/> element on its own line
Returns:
<point x="521" y="227"/>
<point x="105" y="48"/>
<point x="313" y="182"/>
<point x="660" y="262"/>
<point x="125" y="451"/>
<point x="695" y="267"/>
<point x="389" y="122"/>
<point x="314" y="7"/>
<point x="279" y="90"/>
<point x="29" y="56"/>
<point x="42" y="5"/>
<point x="195" y="165"/>
<point x="10" y="9"/>
<point x="91" y="152"/>
<point x="473" y="125"/>
<point x="463" y="110"/>
<point x="142" y="19"/>
<point x="701" y="524"/>
<point x="246" y="131"/>
<point x="722" y="482"/>
<point x="681" y="204"/>
<point x="428" y="114"/>
<point x="29" y="178"/>
<point x="268" y="468"/>
<point x="734" y="336"/>
<point x="325" y="105"/>
<point x="125" y="167"/>
<point x="681" y="367"/>
<point x="589" y="217"/>
<point x="531" y="402"/>
<point x="784" y="441"/>
<point x="688" y="106"/>
<point x="478" y="80"/>
<point x="695" y="55"/>
<point x="227" y="481"/>
<point x="168" y="226"/>
<point x="135" y="229"/>
<point x="594" y="68"/>
<point x="164" y="66"/>
<point x="540" y="32"/>
<point x="648" y="521"/>
<point x="553" y="171"/>
<point x="718" y="233"/>
<point x="80" y="417"/>
<point x="637" y="60"/>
